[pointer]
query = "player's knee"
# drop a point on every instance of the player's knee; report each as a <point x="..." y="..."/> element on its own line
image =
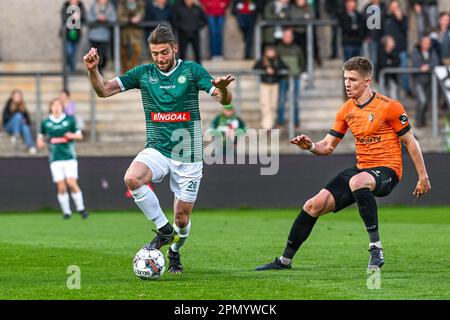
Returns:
<point x="358" y="182"/>
<point x="181" y="220"/>
<point x="314" y="207"/>
<point x="73" y="185"/>
<point x="132" y="181"/>
<point x="182" y="217"/>
<point x="61" y="188"/>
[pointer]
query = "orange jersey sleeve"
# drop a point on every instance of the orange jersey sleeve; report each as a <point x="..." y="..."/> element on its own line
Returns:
<point x="340" y="126"/>
<point x="397" y="118"/>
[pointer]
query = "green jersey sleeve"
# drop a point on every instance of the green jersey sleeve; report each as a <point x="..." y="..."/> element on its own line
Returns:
<point x="132" y="78"/>
<point x="43" y="131"/>
<point x="73" y="125"/>
<point x="202" y="78"/>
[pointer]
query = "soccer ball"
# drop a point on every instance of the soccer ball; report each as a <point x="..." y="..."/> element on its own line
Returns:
<point x="149" y="264"/>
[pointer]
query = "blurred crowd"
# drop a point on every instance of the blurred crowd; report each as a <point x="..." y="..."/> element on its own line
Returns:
<point x="378" y="29"/>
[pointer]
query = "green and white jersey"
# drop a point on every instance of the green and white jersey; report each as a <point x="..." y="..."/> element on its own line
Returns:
<point x="171" y="107"/>
<point x="59" y="147"/>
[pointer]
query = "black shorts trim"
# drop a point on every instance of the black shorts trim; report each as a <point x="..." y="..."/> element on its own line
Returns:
<point x="386" y="179"/>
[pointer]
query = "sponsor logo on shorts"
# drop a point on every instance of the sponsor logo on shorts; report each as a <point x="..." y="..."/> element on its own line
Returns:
<point x="171" y="116"/>
<point x="376" y="172"/>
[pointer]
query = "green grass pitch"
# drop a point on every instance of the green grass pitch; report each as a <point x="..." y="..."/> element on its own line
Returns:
<point x="219" y="257"/>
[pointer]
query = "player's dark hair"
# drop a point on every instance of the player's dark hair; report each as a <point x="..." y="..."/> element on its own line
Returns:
<point x="51" y="103"/>
<point x="160" y="35"/>
<point x="360" y="64"/>
<point x="67" y="92"/>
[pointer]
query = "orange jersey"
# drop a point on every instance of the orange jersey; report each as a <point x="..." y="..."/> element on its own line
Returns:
<point x="377" y="127"/>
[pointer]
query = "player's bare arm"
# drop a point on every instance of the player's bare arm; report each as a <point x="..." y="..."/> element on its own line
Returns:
<point x="324" y="147"/>
<point x="423" y="185"/>
<point x="103" y="88"/>
<point x="222" y="94"/>
<point x="40" y="142"/>
<point x="74" y="135"/>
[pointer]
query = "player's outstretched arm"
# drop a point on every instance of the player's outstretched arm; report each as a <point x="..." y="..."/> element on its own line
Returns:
<point x="74" y="135"/>
<point x="40" y="142"/>
<point x="103" y="88"/>
<point x="324" y="147"/>
<point x="222" y="94"/>
<point x="423" y="185"/>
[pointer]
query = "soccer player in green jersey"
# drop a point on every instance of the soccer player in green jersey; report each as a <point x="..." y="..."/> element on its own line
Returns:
<point x="169" y="90"/>
<point x="60" y="130"/>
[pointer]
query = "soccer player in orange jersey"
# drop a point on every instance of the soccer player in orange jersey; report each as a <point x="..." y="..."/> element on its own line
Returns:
<point x="380" y="125"/>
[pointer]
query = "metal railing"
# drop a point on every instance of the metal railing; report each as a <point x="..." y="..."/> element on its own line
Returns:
<point x="115" y="27"/>
<point x="434" y="91"/>
<point x="309" y="39"/>
<point x="38" y="76"/>
<point x="237" y="101"/>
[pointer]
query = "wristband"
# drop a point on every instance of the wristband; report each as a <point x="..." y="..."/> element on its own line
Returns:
<point x="313" y="147"/>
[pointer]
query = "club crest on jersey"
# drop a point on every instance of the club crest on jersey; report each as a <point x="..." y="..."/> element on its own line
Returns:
<point x="153" y="80"/>
<point x="171" y="116"/>
<point x="371" y="117"/>
<point x="403" y="118"/>
<point x="181" y="79"/>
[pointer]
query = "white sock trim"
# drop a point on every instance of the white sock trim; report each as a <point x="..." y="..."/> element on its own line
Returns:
<point x="183" y="232"/>
<point x="285" y="261"/>
<point x="377" y="244"/>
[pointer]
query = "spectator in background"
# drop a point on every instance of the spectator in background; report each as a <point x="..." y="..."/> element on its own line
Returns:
<point x="426" y="15"/>
<point x="374" y="34"/>
<point x="16" y="120"/>
<point x="426" y="58"/>
<point x="226" y="127"/>
<point x="188" y="19"/>
<point x="272" y="67"/>
<point x="130" y="12"/>
<point x="441" y="36"/>
<point x="291" y="54"/>
<point x="275" y="10"/>
<point x="397" y="27"/>
<point x="388" y="58"/>
<point x="156" y="10"/>
<point x="246" y="12"/>
<point x="353" y="30"/>
<point x="298" y="11"/>
<point x="101" y="12"/>
<point x="70" y="108"/>
<point x="73" y="15"/>
<point x="215" y="12"/>
<point x="334" y="9"/>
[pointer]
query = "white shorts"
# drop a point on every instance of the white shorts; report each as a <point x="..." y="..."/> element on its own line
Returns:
<point x="184" y="177"/>
<point x="63" y="169"/>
